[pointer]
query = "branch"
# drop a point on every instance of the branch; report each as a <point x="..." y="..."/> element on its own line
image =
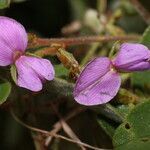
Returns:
<point x="36" y="41"/>
<point x="58" y="125"/>
<point x="44" y="132"/>
<point x="66" y="127"/>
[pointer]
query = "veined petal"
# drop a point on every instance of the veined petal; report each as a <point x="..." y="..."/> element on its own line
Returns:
<point x="139" y="66"/>
<point x="13" y="37"/>
<point x="132" y="57"/>
<point x="6" y="55"/>
<point x="42" y="67"/>
<point x="94" y="70"/>
<point x="97" y="83"/>
<point x="32" y="71"/>
<point x="27" y="77"/>
<point x="100" y="92"/>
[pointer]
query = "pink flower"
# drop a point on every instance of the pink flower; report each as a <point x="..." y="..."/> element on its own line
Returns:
<point x="132" y="57"/>
<point x="32" y="71"/>
<point x="100" y="81"/>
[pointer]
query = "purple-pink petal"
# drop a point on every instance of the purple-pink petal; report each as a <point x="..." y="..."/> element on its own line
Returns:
<point x="95" y="69"/>
<point x="5" y="55"/>
<point x="97" y="84"/>
<point x="42" y="67"/>
<point x="13" y="37"/>
<point x="33" y="71"/>
<point x="132" y="57"/>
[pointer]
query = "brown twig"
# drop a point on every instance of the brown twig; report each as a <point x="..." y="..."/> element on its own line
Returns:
<point x="44" y="132"/>
<point x="66" y="127"/>
<point x="145" y="14"/>
<point x="58" y="125"/>
<point x="46" y="51"/>
<point x="80" y="40"/>
<point x="38" y="141"/>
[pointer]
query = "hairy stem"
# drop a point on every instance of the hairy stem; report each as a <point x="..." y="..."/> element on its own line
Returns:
<point x="80" y="40"/>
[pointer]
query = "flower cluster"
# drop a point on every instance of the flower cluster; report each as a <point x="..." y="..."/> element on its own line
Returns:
<point x="100" y="81"/>
<point x="31" y="71"/>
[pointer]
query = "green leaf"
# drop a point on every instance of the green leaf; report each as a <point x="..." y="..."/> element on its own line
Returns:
<point x="124" y="110"/>
<point x="141" y="80"/>
<point x="4" y="3"/>
<point x="13" y="72"/>
<point x="134" y="133"/>
<point x="114" y="49"/>
<point x="78" y="9"/>
<point x="61" y="71"/>
<point x="5" y="89"/>
<point x="146" y="38"/>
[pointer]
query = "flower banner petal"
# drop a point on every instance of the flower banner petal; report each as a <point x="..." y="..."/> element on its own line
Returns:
<point x="6" y="55"/>
<point x="94" y="70"/>
<point x="97" y="84"/>
<point x="13" y="37"/>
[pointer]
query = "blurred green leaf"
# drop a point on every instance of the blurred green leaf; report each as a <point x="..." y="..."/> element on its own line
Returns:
<point x="4" y="3"/>
<point x="18" y="1"/>
<point x="132" y="23"/>
<point x="5" y="89"/>
<point x="146" y="38"/>
<point x="127" y="7"/>
<point x="13" y="72"/>
<point x="78" y="8"/>
<point x="141" y="80"/>
<point x="134" y="133"/>
<point x="114" y="49"/>
<point x="61" y="71"/>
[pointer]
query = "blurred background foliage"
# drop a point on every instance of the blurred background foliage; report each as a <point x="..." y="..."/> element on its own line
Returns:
<point x="95" y="125"/>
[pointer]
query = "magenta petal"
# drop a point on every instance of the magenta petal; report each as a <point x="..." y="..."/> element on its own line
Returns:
<point x="42" y="67"/>
<point x="97" y="84"/>
<point x="101" y="91"/>
<point x="32" y="71"/>
<point x="13" y="37"/>
<point x="132" y="57"/>
<point x="5" y="55"/>
<point x="95" y="69"/>
<point x="27" y="77"/>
